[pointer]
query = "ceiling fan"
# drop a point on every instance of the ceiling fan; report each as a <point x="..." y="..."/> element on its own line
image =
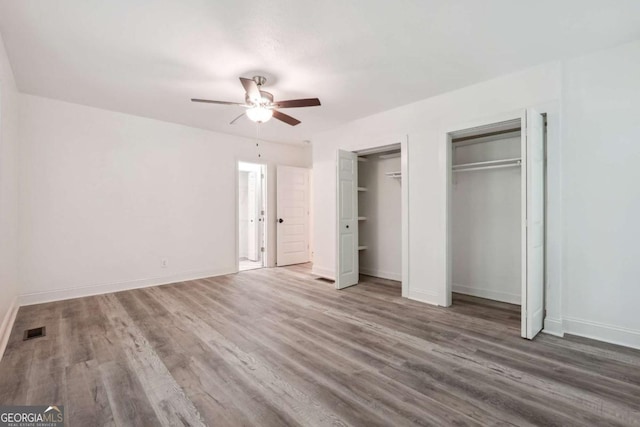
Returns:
<point x="260" y="105"/>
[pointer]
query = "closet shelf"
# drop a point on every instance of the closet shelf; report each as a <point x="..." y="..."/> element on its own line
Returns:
<point x="362" y="218"/>
<point x="362" y="248"/>
<point x="397" y="175"/>
<point x="362" y="189"/>
<point x="492" y="164"/>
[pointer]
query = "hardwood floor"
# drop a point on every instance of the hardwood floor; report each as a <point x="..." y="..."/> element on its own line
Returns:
<point x="277" y="347"/>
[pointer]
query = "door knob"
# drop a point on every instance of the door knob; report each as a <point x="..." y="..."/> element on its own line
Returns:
<point x="347" y="226"/>
<point x="281" y="220"/>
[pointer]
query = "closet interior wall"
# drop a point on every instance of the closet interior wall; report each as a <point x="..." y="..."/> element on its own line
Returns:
<point x="380" y="215"/>
<point x="486" y="219"/>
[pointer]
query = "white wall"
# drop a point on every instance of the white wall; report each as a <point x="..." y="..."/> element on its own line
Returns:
<point x="105" y="196"/>
<point x="601" y="176"/>
<point x="381" y="232"/>
<point x="486" y="223"/>
<point x="8" y="197"/>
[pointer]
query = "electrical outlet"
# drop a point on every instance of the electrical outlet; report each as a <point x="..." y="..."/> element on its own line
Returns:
<point x="164" y="263"/>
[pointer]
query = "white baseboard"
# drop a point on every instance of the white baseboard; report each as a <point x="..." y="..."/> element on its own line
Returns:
<point x="602" y="332"/>
<point x="553" y="327"/>
<point x="426" y="297"/>
<point x="381" y="274"/>
<point x="488" y="294"/>
<point x="7" y="325"/>
<point x="85" y="291"/>
<point x="326" y="273"/>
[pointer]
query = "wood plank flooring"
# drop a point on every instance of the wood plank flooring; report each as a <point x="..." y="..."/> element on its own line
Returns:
<point x="277" y="347"/>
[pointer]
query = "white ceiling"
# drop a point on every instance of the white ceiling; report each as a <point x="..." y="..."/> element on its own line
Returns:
<point x="149" y="57"/>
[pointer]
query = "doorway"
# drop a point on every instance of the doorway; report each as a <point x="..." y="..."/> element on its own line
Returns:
<point x="372" y="214"/>
<point x="251" y="216"/>
<point x="495" y="218"/>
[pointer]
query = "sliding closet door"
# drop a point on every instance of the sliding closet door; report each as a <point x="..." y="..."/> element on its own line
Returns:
<point x="533" y="235"/>
<point x="347" y="220"/>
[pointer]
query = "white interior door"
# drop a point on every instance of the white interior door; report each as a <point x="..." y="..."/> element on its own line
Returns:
<point x="347" y="221"/>
<point x="533" y="242"/>
<point x="293" y="215"/>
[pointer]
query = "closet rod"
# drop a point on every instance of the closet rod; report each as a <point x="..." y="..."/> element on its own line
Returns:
<point x="483" y="135"/>
<point x="487" y="163"/>
<point x="511" y="165"/>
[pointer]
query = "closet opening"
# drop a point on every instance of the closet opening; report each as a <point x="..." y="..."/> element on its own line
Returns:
<point x="251" y="215"/>
<point x="496" y="219"/>
<point x="372" y="218"/>
<point x="380" y="217"/>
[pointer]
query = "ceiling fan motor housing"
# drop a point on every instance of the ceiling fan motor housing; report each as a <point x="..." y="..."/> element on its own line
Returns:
<point x="267" y="98"/>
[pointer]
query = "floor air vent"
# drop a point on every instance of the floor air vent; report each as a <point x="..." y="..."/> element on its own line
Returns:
<point x="30" y="334"/>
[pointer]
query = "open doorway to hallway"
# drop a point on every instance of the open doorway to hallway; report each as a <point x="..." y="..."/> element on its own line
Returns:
<point x="251" y="216"/>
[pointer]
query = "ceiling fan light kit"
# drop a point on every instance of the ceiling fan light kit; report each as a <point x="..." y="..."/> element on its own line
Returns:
<point x="259" y="114"/>
<point x="260" y="105"/>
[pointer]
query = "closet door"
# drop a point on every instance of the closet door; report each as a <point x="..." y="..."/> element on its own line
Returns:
<point x="347" y="220"/>
<point x="533" y="211"/>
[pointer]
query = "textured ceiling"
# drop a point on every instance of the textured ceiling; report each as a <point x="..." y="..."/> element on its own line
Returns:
<point x="149" y="58"/>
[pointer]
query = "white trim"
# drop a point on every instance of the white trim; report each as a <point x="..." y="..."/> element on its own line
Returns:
<point x="486" y="121"/>
<point x="326" y="273"/>
<point x="426" y="297"/>
<point x="236" y="210"/>
<point x="7" y="325"/>
<point x="404" y="192"/>
<point x="85" y="291"/>
<point x="447" y="287"/>
<point x="602" y="332"/>
<point x="553" y="327"/>
<point x="381" y="274"/>
<point x="487" y="293"/>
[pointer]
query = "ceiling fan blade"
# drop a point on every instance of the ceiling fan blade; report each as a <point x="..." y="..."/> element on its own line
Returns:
<point x="253" y="92"/>
<point x="295" y="103"/>
<point x="215" y="102"/>
<point x="285" y="118"/>
<point x="236" y="119"/>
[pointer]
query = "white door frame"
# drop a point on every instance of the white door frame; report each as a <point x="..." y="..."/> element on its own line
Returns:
<point x="445" y="295"/>
<point x="380" y="145"/>
<point x="265" y="203"/>
<point x="445" y="292"/>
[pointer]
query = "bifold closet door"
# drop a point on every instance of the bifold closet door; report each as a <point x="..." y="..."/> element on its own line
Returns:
<point x="347" y="271"/>
<point x="533" y="175"/>
<point x="292" y="187"/>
